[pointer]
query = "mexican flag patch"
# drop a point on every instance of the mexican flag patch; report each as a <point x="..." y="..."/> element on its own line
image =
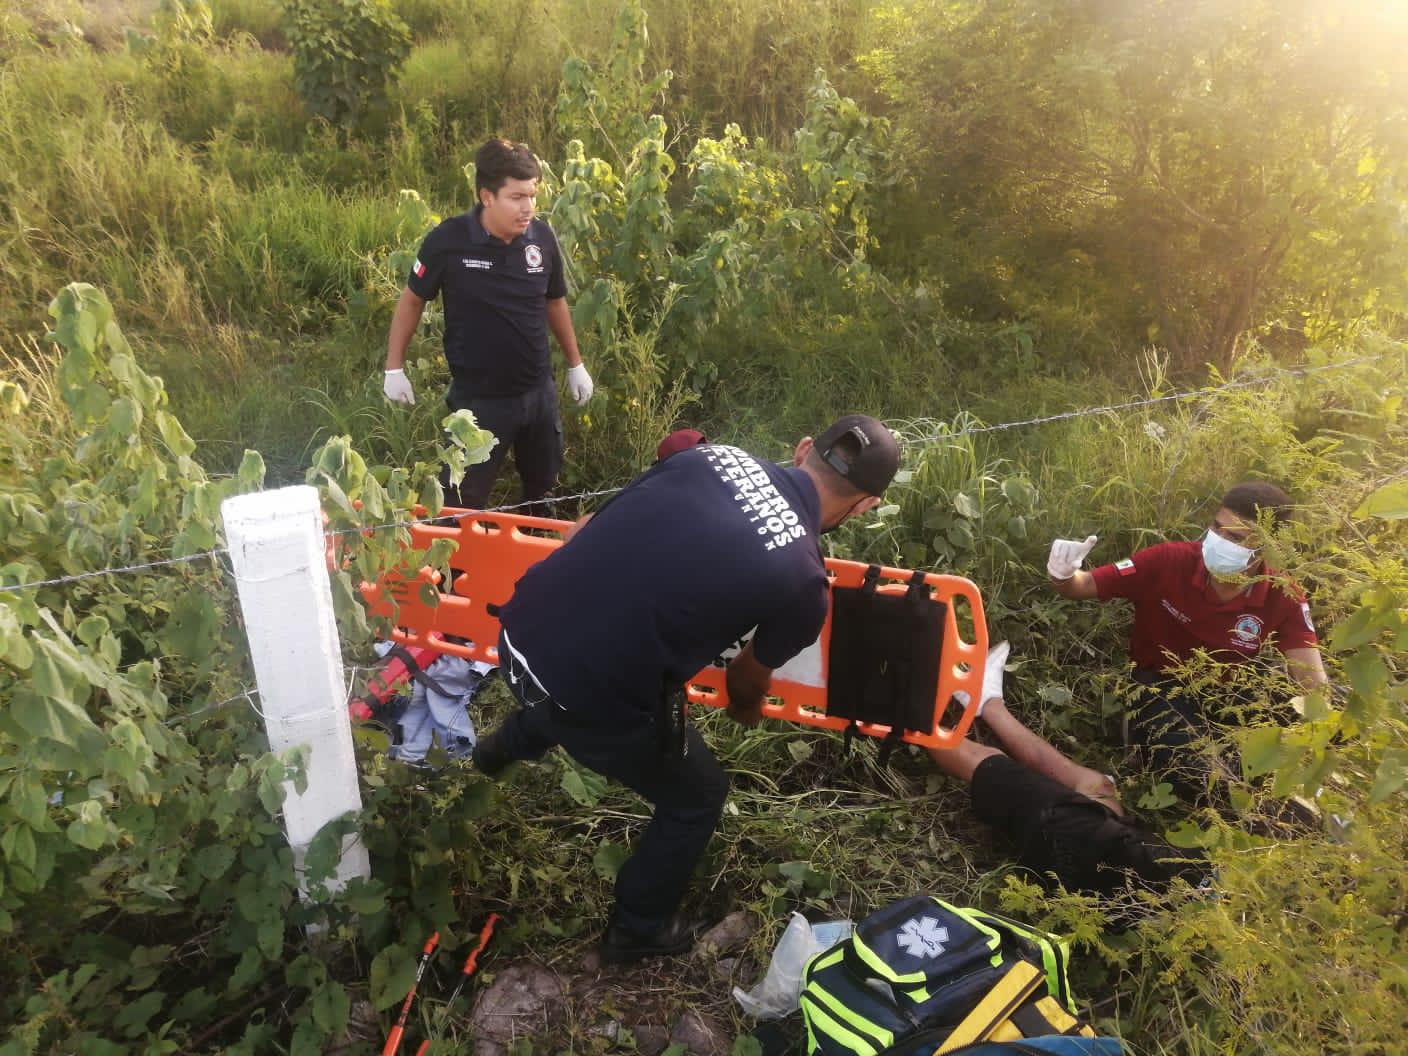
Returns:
<point x="1125" y="567"/>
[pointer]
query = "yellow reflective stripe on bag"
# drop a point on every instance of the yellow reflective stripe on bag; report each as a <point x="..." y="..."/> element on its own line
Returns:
<point x="819" y="1022"/>
<point x="852" y="1020"/>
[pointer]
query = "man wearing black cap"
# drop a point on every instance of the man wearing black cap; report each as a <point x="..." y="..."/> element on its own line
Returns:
<point x="706" y="547"/>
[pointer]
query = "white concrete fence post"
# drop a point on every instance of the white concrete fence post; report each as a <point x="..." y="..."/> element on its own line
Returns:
<point x="280" y="563"/>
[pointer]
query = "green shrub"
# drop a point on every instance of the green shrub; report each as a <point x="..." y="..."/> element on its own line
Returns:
<point x="345" y="54"/>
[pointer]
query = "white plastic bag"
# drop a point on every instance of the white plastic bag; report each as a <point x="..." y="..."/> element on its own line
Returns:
<point x="779" y="992"/>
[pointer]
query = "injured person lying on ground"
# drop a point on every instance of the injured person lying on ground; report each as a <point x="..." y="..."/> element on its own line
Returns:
<point x="1065" y="819"/>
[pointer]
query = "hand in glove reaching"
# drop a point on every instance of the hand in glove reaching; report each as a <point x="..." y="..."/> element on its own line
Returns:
<point x="1067" y="555"/>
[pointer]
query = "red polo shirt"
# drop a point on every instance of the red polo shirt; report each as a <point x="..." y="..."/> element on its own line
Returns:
<point x="1176" y="611"/>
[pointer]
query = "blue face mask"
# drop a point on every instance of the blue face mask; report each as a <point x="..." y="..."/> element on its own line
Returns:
<point x="1224" y="557"/>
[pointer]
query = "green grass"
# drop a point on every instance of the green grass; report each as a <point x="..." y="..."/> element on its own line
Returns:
<point x="246" y="251"/>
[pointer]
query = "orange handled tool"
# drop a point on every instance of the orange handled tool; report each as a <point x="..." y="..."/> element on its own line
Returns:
<point x="393" y="1040"/>
<point x="470" y="964"/>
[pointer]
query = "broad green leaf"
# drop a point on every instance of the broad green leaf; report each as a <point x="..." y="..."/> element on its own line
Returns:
<point x="270" y="938"/>
<point x="214" y="860"/>
<point x="464" y="433"/>
<point x="609" y="858"/>
<point x="583" y="786"/>
<point x="17" y="844"/>
<point x="1186" y="835"/>
<point x="91" y="629"/>
<point x="1390" y="502"/>
<point x="29" y="801"/>
<point x="1391" y="776"/>
<point x="307" y="1040"/>
<point x="193" y="628"/>
<point x="89" y="830"/>
<point x="271" y="789"/>
<point x="1367" y="673"/>
<point x="331" y="1007"/>
<point x="365" y="897"/>
<point x="393" y="972"/>
<point x="306" y="971"/>
<point x="56" y="720"/>
<point x="1158" y="798"/>
<point x="132" y="1020"/>
<point x="193" y="1006"/>
<point x="250" y="475"/>
<point x="173" y="435"/>
<point x="248" y="971"/>
<point x="1261" y="750"/>
<point x="967" y="506"/>
<point x="795" y="873"/>
<point x="259" y="897"/>
<point x="57" y="672"/>
<point x="15" y="649"/>
<point x="1363" y="625"/>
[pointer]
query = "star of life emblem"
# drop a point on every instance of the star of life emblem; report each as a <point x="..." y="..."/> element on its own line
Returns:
<point x="923" y="937"/>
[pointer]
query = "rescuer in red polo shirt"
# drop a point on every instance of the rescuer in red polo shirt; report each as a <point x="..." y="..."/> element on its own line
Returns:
<point x="1215" y="594"/>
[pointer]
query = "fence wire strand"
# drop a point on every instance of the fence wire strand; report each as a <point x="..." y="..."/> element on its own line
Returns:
<point x="550" y="500"/>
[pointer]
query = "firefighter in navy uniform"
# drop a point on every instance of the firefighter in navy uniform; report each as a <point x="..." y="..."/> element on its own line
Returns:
<point x="499" y="272"/>
<point x="598" y="639"/>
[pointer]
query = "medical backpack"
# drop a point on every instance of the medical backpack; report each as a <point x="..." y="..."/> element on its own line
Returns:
<point x="923" y="976"/>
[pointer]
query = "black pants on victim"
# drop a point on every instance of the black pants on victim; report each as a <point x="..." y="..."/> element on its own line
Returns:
<point x="687" y="792"/>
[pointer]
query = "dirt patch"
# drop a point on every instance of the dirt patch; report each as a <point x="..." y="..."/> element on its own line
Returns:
<point x="645" y="1008"/>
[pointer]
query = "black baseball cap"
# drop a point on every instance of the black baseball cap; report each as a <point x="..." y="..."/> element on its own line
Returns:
<point x="862" y="450"/>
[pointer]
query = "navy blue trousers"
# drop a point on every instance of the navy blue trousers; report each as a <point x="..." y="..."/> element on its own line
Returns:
<point x="688" y="793"/>
<point x="528" y="425"/>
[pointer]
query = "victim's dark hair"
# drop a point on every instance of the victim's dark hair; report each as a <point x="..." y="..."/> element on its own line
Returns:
<point x="1250" y="497"/>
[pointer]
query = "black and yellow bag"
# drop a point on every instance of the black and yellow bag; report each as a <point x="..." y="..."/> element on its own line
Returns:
<point x="925" y="976"/>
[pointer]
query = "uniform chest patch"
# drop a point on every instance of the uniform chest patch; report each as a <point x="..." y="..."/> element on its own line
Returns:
<point x="533" y="257"/>
<point x="1247" y="630"/>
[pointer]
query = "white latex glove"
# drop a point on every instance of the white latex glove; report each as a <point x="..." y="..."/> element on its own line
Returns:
<point x="992" y="676"/>
<point x="579" y="383"/>
<point x="397" y="387"/>
<point x="1067" y="555"/>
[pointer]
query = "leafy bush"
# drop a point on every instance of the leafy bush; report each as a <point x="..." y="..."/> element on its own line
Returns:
<point x="345" y="54"/>
<point x="147" y="890"/>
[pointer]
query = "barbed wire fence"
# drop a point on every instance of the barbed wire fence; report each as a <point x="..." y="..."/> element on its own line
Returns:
<point x="553" y="500"/>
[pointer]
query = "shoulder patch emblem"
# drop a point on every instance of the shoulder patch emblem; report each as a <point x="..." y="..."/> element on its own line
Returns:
<point x="1125" y="567"/>
<point x="419" y="269"/>
<point x="1305" y="612"/>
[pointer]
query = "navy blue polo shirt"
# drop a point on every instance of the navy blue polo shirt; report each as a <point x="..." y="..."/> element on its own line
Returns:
<point x="689" y="557"/>
<point x="496" y="326"/>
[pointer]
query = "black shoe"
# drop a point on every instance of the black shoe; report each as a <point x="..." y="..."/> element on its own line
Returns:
<point x="619" y="946"/>
<point x="490" y="757"/>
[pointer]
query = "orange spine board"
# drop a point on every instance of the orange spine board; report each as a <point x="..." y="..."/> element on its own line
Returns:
<point x="495" y="549"/>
